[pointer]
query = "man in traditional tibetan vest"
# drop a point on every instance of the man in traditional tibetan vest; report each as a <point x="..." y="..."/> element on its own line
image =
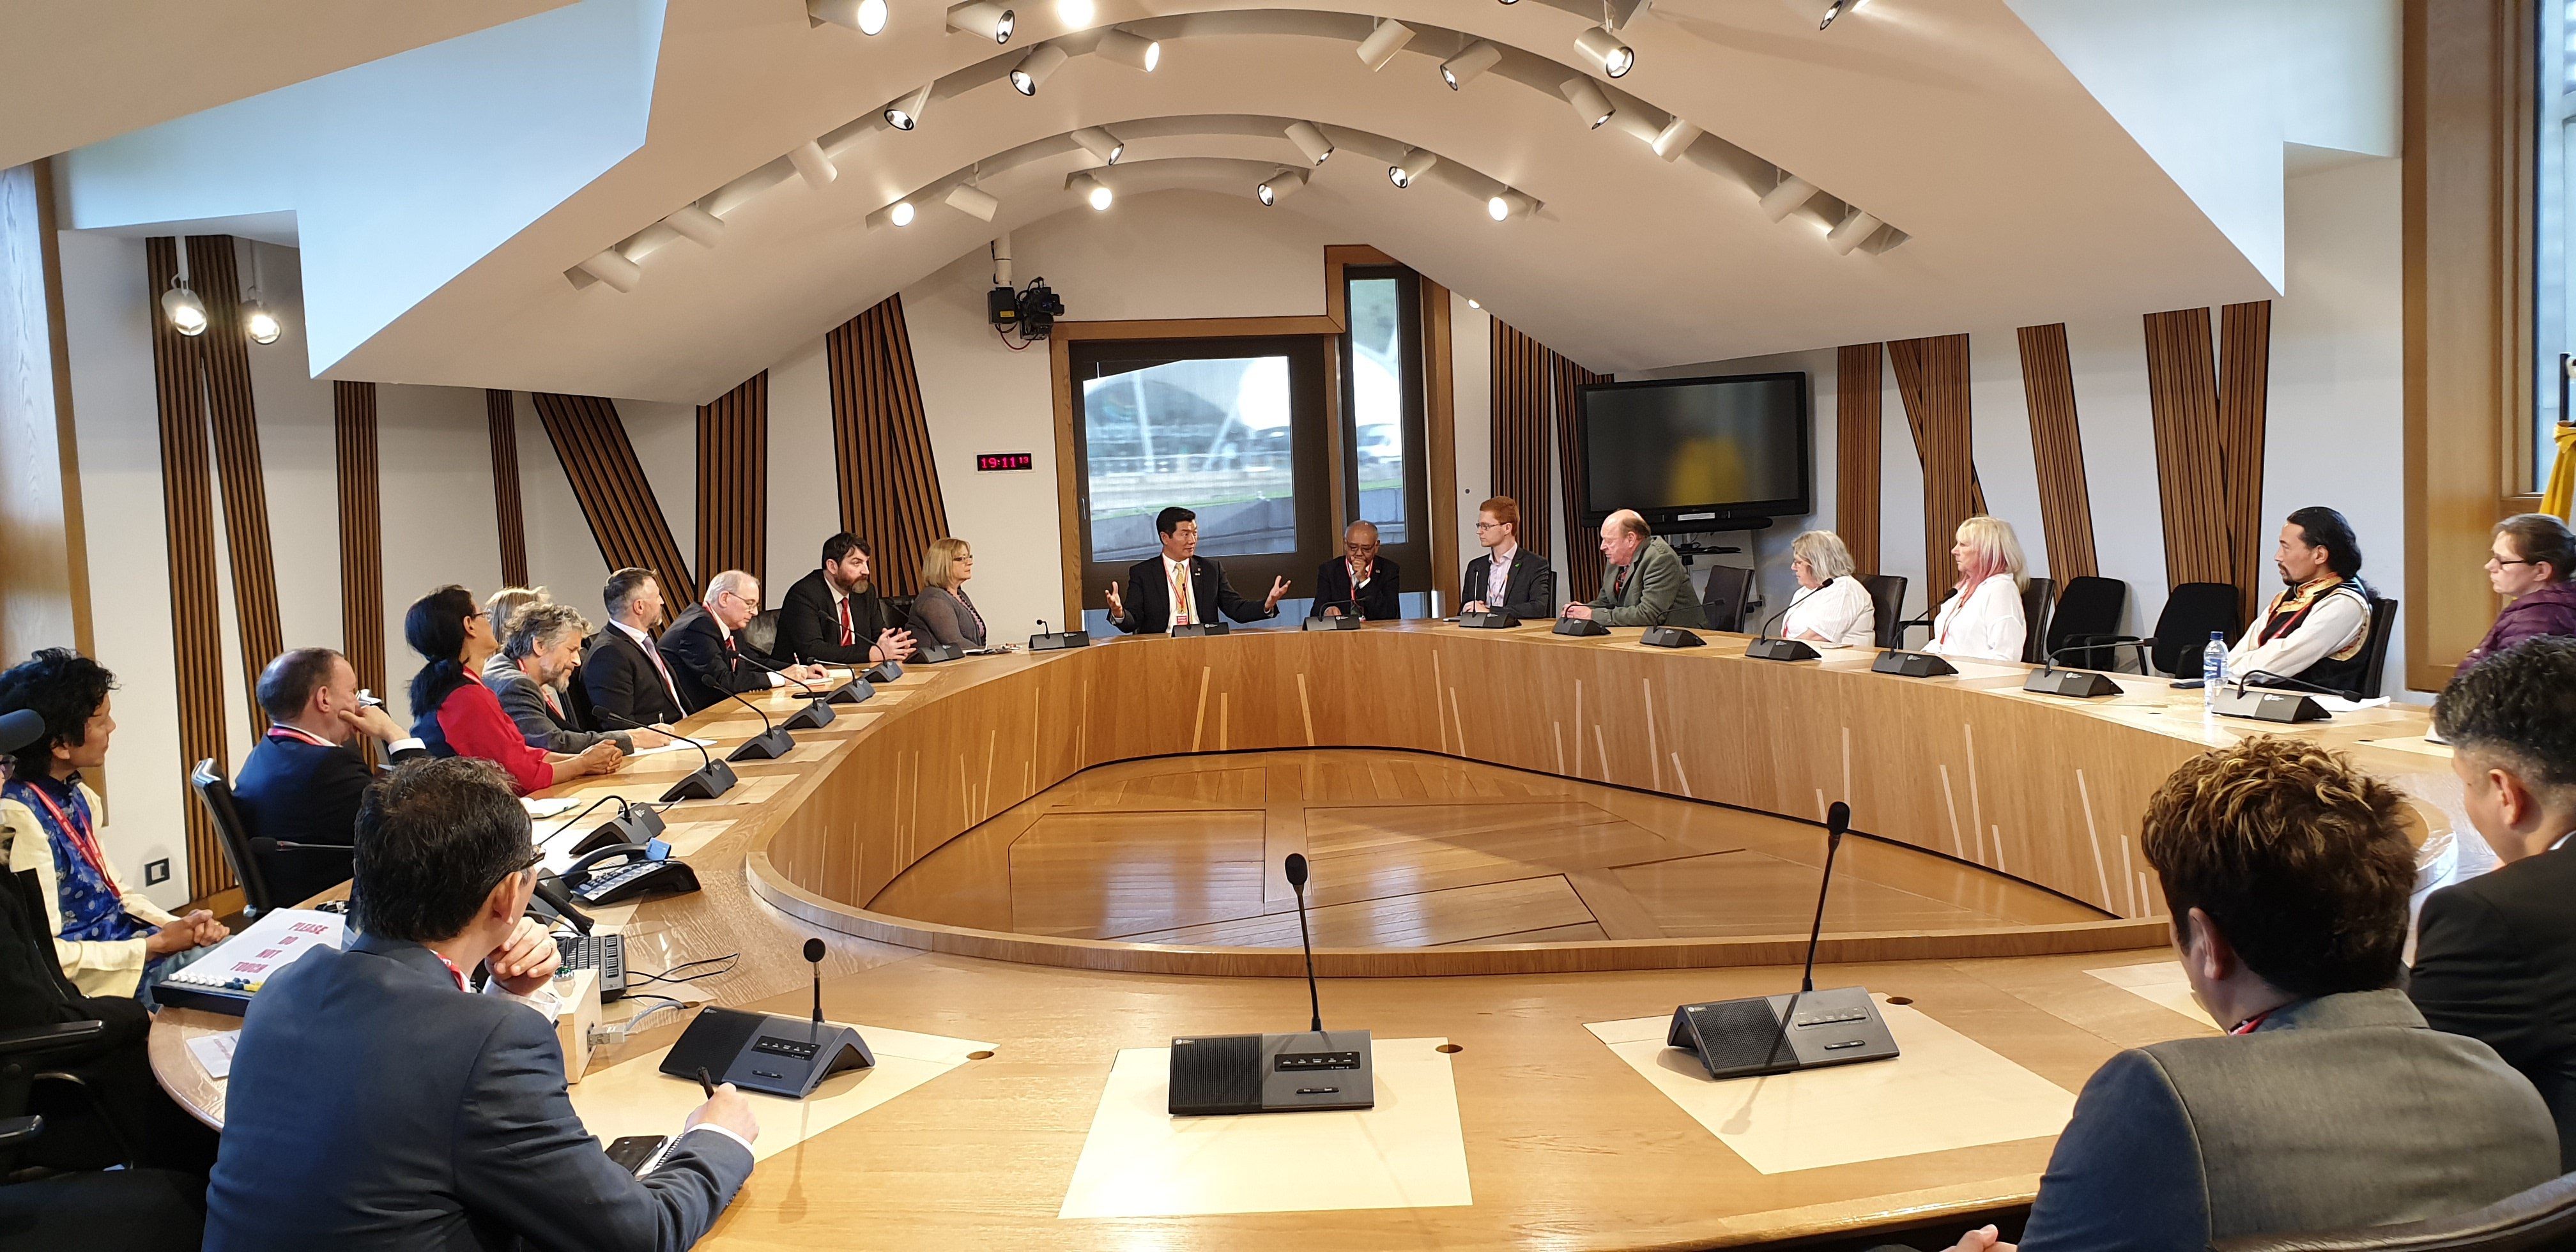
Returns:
<point x="2316" y="629"/>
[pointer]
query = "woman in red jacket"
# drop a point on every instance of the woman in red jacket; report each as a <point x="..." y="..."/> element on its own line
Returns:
<point x="2533" y="565"/>
<point x="453" y="714"/>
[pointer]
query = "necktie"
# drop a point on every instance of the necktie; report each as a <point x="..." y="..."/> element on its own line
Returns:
<point x="1180" y="594"/>
<point x="654" y="651"/>
<point x="848" y="633"/>
<point x="551" y="705"/>
<point x="1620" y="583"/>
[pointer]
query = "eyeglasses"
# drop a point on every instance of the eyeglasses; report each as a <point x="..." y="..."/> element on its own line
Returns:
<point x="1491" y="525"/>
<point x="2500" y="562"/>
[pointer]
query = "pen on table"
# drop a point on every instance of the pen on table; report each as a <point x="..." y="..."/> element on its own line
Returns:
<point x="705" y="1083"/>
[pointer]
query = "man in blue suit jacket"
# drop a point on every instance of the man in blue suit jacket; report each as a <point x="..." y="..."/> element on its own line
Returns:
<point x="376" y="1103"/>
<point x="302" y="783"/>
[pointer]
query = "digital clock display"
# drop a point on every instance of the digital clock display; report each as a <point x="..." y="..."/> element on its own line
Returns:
<point x="1004" y="461"/>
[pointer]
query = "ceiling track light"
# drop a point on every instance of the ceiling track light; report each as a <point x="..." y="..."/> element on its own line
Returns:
<point x="1383" y="42"/>
<point x="904" y="114"/>
<point x="696" y="225"/>
<point x="1280" y="186"/>
<point x="1589" y="102"/>
<point x="1100" y="143"/>
<point x="1093" y="191"/>
<point x="973" y="201"/>
<point x="867" y="17"/>
<point x="1411" y="166"/>
<point x="1507" y="204"/>
<point x="1041" y="63"/>
<point x="261" y="325"/>
<point x="186" y="312"/>
<point x="1791" y="195"/>
<point x="982" y="17"/>
<point x="1075" y="14"/>
<point x="1614" y="58"/>
<point x="1854" y="230"/>
<point x="1472" y="60"/>
<point x="1310" y="140"/>
<point x="1835" y="10"/>
<point x="816" y="168"/>
<point x="1675" y="138"/>
<point x="610" y="267"/>
<point x="901" y="213"/>
<point x="1130" y="50"/>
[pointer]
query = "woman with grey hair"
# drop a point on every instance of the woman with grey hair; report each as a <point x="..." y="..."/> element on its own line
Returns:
<point x="1831" y="607"/>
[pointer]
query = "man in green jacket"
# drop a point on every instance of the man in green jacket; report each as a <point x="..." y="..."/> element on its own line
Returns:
<point x="1645" y="584"/>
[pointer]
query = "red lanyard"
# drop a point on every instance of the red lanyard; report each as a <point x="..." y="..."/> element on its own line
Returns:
<point x="82" y="840"/>
<point x="2251" y="1024"/>
<point x="451" y="967"/>
<point x="293" y="733"/>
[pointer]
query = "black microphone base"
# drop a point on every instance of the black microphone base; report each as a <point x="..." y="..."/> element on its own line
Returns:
<point x="1780" y="650"/>
<point x="855" y="691"/>
<point x="780" y="1056"/>
<point x="1912" y="664"/>
<point x="1330" y="623"/>
<point x="816" y="713"/>
<point x="768" y="745"/>
<point x="1201" y="630"/>
<point x="1671" y="637"/>
<point x="2083" y="684"/>
<point x="1487" y="621"/>
<point x="637" y="825"/>
<point x="1760" y="1034"/>
<point x="883" y="672"/>
<point x="1580" y="626"/>
<point x="1060" y="640"/>
<point x="934" y="653"/>
<point x="705" y="783"/>
<point x="1221" y="1075"/>
<point x="2268" y="706"/>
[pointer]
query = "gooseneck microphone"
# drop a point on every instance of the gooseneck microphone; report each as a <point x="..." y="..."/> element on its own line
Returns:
<point x="814" y="957"/>
<point x="772" y="742"/>
<point x="1297" y="883"/>
<point x="818" y="708"/>
<point x="2083" y="684"/>
<point x="1837" y="823"/>
<point x="1766" y="648"/>
<point x="2266" y="678"/>
<point x="1803" y="593"/>
<point x="712" y="779"/>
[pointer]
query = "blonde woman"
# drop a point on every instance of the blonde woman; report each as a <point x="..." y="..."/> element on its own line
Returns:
<point x="1982" y="618"/>
<point x="942" y="613"/>
<point x="1831" y="607"/>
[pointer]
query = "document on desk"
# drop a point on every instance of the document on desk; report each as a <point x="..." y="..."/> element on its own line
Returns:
<point x="676" y="745"/>
<point x="215" y="1053"/>
<point x="635" y="1097"/>
<point x="1407" y="1153"/>
<point x="1945" y="1091"/>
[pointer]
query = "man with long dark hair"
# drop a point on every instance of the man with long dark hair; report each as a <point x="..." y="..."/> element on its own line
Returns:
<point x="2318" y="627"/>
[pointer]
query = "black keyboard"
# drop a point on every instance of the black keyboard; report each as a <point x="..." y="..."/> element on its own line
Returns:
<point x="605" y="953"/>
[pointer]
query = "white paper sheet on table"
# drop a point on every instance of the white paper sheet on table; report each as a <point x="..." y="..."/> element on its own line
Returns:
<point x="1140" y="1161"/>
<point x="676" y="745"/>
<point x="1943" y="1091"/>
<point x="214" y="1053"/>
<point x="2337" y="704"/>
<point x="2158" y="982"/>
<point x="636" y="1098"/>
<point x="544" y="808"/>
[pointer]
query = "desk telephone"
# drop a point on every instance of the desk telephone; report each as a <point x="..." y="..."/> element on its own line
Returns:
<point x="644" y="872"/>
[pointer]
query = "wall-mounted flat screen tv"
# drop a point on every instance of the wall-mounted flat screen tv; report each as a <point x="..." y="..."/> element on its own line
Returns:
<point x="1697" y="453"/>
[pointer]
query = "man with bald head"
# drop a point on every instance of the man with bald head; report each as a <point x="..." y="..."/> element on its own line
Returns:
<point x="709" y="660"/>
<point x="1645" y="584"/>
<point x="1359" y="583"/>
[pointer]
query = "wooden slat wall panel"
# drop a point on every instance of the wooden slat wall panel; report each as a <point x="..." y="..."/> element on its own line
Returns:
<point x="188" y="519"/>
<point x="1857" y="388"/>
<point x="625" y="517"/>
<point x="362" y="535"/>
<point x="224" y="354"/>
<point x="1582" y="547"/>
<point x="733" y="480"/>
<point x="501" y="421"/>
<point x="2057" y="445"/>
<point x="881" y="445"/>
<point x="1519" y="379"/>
<point x="2182" y="392"/>
<point x="2244" y="378"/>
<point x="1932" y="380"/>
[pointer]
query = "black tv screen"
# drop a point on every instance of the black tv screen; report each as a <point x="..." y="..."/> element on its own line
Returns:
<point x="1693" y="450"/>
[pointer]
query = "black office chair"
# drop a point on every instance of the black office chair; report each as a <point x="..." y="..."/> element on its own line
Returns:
<point x="2543" y="1217"/>
<point x="761" y="632"/>
<point x="2374" y="654"/>
<point x="1887" y="598"/>
<point x="2191" y="612"/>
<point x="249" y="856"/>
<point x="1729" y="586"/>
<point x="2038" y="599"/>
<point x="898" y="612"/>
<point x="2087" y="611"/>
<point x="124" y="1210"/>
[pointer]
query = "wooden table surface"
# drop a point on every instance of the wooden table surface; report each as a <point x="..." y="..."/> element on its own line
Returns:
<point x="1567" y="1148"/>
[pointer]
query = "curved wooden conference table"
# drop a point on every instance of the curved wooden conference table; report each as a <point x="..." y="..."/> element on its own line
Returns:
<point x="1566" y="1146"/>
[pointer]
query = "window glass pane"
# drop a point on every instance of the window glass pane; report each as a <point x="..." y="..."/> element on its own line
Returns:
<point x="1377" y="404"/>
<point x="1210" y="435"/>
<point x="2554" y="321"/>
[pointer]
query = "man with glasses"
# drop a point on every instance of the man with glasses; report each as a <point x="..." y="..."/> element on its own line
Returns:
<point x="376" y="1100"/>
<point x="1360" y="583"/>
<point x="1182" y="588"/>
<point x="1508" y="578"/>
<point x="708" y="659"/>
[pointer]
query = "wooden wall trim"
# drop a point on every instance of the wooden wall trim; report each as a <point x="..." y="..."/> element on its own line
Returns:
<point x="733" y="480"/>
<point x="1932" y="381"/>
<point x="47" y="586"/>
<point x="2182" y="395"/>
<point x="889" y="487"/>
<point x="362" y="535"/>
<point x="1582" y="554"/>
<point x="2244" y="382"/>
<point x="616" y="498"/>
<point x="188" y="519"/>
<point x="1518" y="402"/>
<point x="223" y="352"/>
<point x="1440" y="430"/>
<point x="2057" y="446"/>
<point x="501" y="423"/>
<point x="1857" y="388"/>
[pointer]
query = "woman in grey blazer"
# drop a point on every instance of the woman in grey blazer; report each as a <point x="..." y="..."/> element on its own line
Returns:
<point x="942" y="613"/>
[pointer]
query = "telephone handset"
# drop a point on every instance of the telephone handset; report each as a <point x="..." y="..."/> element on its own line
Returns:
<point x="644" y="872"/>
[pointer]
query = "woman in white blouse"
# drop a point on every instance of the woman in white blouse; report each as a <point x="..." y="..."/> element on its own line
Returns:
<point x="1982" y="618"/>
<point x="1831" y="607"/>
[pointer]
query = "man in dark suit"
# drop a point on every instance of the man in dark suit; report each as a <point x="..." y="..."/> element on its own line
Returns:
<point x="707" y="656"/>
<point x="2327" y="1103"/>
<point x="2495" y="956"/>
<point x="1508" y="578"/>
<point x="538" y="659"/>
<point x="833" y="614"/>
<point x="622" y="666"/>
<point x="375" y="1102"/>
<point x="1182" y="588"/>
<point x="1361" y="583"/>
<point x="301" y="783"/>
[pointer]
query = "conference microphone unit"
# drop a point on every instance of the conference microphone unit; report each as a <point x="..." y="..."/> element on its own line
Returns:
<point x="934" y="653"/>
<point x="1344" y="622"/>
<point x="1766" y="648"/>
<point x="1670" y="637"/>
<point x="703" y="783"/>
<point x="1219" y="1075"/>
<point x="1056" y="641"/>
<point x="1488" y="620"/>
<point x="1200" y="630"/>
<point x="816" y="713"/>
<point x="884" y="672"/>
<point x="1905" y="664"/>
<point x="638" y="824"/>
<point x="1580" y="627"/>
<point x="2083" y="684"/>
<point x="2239" y="699"/>
<point x="768" y="1053"/>
<point x="770" y="744"/>
<point x="1777" y="1034"/>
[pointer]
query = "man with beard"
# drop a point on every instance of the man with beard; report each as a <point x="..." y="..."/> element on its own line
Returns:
<point x="2316" y="629"/>
<point x="833" y="614"/>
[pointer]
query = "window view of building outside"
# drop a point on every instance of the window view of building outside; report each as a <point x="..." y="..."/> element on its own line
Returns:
<point x="2553" y="320"/>
<point x="1210" y="435"/>
<point x="1377" y="404"/>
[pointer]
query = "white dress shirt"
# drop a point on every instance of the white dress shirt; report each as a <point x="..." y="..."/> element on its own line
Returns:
<point x="1176" y="577"/>
<point x="2330" y="627"/>
<point x="1987" y="626"/>
<point x="1498" y="574"/>
<point x="1840" y="613"/>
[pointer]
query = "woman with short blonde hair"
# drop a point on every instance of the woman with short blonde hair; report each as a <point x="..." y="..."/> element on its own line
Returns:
<point x="1831" y="606"/>
<point x="942" y="613"/>
<point x="1982" y="618"/>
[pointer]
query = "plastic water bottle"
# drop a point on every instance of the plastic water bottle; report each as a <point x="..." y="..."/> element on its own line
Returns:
<point x="2213" y="669"/>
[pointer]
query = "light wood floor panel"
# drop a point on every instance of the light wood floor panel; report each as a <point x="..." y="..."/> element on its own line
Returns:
<point x="1095" y="875"/>
<point x="1749" y="893"/>
<point x="1423" y="919"/>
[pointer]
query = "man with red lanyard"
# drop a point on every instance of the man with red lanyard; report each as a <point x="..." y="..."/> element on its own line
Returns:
<point x="113" y="941"/>
<point x="1361" y="583"/>
<point x="301" y="783"/>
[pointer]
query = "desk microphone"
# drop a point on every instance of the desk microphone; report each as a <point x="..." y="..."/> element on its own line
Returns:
<point x="814" y="957"/>
<point x="1297" y="883"/>
<point x="1766" y="648"/>
<point x="2283" y="703"/>
<point x="1777" y="1034"/>
<point x="817" y="711"/>
<point x="2083" y="684"/>
<point x="1312" y="1069"/>
<point x="1050" y="641"/>
<point x="764" y="1052"/>
<point x="772" y="742"/>
<point x="2266" y="678"/>
<point x="704" y="783"/>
